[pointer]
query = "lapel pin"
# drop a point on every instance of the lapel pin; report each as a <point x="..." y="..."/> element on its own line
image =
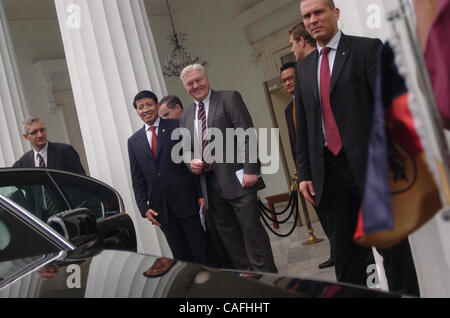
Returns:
<point x="343" y="53"/>
<point x="163" y="130"/>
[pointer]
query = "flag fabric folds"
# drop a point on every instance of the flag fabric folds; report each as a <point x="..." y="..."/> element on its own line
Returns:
<point x="437" y="57"/>
<point x="400" y="194"/>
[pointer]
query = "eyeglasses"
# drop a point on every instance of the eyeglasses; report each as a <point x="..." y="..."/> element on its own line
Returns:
<point x="34" y="132"/>
<point x="287" y="79"/>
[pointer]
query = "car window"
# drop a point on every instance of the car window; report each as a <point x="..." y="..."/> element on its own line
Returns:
<point x="34" y="191"/>
<point x="19" y="240"/>
<point x="5" y="236"/>
<point x="38" y="199"/>
<point x="86" y="193"/>
<point x="12" y="270"/>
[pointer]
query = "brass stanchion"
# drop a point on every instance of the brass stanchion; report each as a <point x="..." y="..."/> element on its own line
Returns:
<point x="312" y="238"/>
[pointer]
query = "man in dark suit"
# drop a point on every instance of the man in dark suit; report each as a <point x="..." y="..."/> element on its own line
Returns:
<point x="334" y="105"/>
<point x="287" y="74"/>
<point x="170" y="107"/>
<point x="288" y="79"/>
<point x="165" y="191"/>
<point x="46" y="154"/>
<point x="229" y="186"/>
<point x="334" y="92"/>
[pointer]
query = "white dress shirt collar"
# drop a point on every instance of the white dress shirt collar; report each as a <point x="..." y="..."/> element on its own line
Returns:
<point x="156" y="124"/>
<point x="333" y="44"/>
<point x="43" y="153"/>
<point x="149" y="132"/>
<point x="205" y="101"/>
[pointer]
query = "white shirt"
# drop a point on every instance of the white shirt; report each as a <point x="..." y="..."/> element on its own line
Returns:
<point x="333" y="45"/>
<point x="43" y="153"/>
<point x="149" y="133"/>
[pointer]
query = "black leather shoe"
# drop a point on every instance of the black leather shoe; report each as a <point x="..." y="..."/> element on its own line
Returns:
<point x="327" y="263"/>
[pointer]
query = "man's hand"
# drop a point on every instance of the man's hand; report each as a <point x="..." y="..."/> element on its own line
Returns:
<point x="307" y="189"/>
<point x="202" y="204"/>
<point x="249" y="180"/>
<point x="150" y="215"/>
<point x="197" y="166"/>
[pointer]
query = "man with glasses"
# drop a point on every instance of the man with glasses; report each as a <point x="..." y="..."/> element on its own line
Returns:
<point x="46" y="154"/>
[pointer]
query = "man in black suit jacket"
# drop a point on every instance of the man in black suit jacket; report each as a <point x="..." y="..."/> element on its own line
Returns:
<point x="287" y="74"/>
<point x="288" y="79"/>
<point x="230" y="187"/>
<point x="332" y="161"/>
<point x="334" y="106"/>
<point x="165" y="191"/>
<point x="46" y="154"/>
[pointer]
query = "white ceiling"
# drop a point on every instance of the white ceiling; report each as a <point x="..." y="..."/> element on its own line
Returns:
<point x="45" y="9"/>
<point x="159" y="7"/>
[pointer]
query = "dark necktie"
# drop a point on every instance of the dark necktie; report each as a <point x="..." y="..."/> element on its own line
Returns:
<point x="202" y="122"/>
<point x="154" y="140"/>
<point x="334" y="142"/>
<point x="41" y="161"/>
<point x="293" y="115"/>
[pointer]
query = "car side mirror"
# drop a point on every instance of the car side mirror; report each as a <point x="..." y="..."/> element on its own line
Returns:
<point x="78" y="226"/>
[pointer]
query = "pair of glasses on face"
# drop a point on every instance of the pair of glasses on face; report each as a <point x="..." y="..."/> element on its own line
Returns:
<point x="287" y="79"/>
<point x="34" y="132"/>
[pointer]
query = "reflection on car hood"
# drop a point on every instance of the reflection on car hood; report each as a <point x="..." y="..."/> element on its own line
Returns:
<point x="127" y="274"/>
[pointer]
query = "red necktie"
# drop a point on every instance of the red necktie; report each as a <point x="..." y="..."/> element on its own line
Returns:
<point x="154" y="140"/>
<point x="334" y="141"/>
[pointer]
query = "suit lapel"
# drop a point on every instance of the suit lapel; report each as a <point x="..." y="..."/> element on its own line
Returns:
<point x="143" y="145"/>
<point x="213" y="102"/>
<point x="190" y="119"/>
<point x="51" y="154"/>
<point x="189" y="122"/>
<point x="162" y="135"/>
<point x="30" y="159"/>
<point x="313" y="70"/>
<point x="342" y="54"/>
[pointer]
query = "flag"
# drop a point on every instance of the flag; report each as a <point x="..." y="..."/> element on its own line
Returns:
<point x="437" y="57"/>
<point x="400" y="193"/>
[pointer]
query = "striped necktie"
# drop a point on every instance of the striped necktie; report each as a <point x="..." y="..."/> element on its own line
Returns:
<point x="202" y="123"/>
<point x="41" y="161"/>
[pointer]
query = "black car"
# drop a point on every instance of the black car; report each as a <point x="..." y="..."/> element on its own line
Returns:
<point x="72" y="253"/>
<point x="46" y="193"/>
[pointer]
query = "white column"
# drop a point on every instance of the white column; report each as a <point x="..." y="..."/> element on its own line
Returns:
<point x="12" y="101"/>
<point x="111" y="56"/>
